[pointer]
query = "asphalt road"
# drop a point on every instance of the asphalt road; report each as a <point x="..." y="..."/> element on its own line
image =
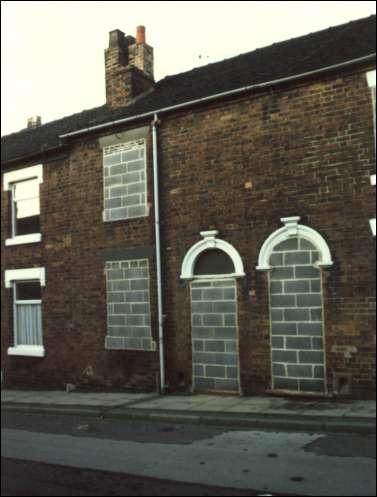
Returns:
<point x="38" y="479"/>
<point x="69" y="455"/>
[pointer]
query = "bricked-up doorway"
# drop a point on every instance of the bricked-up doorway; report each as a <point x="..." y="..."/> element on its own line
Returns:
<point x="296" y="313"/>
<point x="215" y="357"/>
<point x="213" y="266"/>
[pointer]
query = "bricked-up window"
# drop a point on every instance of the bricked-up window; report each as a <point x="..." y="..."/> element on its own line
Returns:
<point x="128" y="306"/>
<point x="125" y="181"/>
<point x="25" y="294"/>
<point x="25" y="207"/>
<point x="27" y="314"/>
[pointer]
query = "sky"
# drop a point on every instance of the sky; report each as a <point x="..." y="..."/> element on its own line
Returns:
<point x="52" y="52"/>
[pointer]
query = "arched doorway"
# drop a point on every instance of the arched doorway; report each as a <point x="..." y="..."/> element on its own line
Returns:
<point x="294" y="256"/>
<point x="212" y="267"/>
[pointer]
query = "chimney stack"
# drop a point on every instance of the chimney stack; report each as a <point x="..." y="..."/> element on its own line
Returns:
<point x="34" y="122"/>
<point x="128" y="67"/>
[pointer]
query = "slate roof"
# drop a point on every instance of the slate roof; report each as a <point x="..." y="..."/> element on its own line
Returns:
<point x="288" y="58"/>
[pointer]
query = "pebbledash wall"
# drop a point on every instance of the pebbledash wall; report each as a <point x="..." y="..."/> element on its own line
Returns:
<point x="306" y="151"/>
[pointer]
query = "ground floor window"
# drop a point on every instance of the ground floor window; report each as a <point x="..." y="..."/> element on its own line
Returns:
<point x="26" y="287"/>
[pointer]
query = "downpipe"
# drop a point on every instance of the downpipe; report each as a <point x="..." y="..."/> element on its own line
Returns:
<point x="156" y="196"/>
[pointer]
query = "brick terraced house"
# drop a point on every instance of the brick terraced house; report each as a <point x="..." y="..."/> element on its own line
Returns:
<point x="212" y="231"/>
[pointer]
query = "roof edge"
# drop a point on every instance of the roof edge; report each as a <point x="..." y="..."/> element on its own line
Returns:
<point x="276" y="82"/>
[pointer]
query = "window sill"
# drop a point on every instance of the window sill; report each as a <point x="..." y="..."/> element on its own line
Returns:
<point x="373" y="226"/>
<point x="23" y="239"/>
<point x="27" y="351"/>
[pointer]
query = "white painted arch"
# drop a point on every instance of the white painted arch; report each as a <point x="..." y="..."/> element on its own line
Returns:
<point x="211" y="242"/>
<point x="292" y="229"/>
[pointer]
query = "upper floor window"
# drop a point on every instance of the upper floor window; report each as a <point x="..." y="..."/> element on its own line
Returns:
<point x="23" y="185"/>
<point x="25" y="206"/>
<point x="125" y="181"/>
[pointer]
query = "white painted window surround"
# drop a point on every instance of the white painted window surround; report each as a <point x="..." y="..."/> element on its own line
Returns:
<point x="13" y="276"/>
<point x="371" y="79"/>
<point x="211" y="242"/>
<point x="23" y="239"/>
<point x="10" y="179"/>
<point x="27" y="351"/>
<point x="373" y="221"/>
<point x="22" y="174"/>
<point x="34" y="273"/>
<point x="292" y="228"/>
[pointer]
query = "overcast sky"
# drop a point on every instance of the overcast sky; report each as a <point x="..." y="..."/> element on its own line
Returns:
<point x="52" y="57"/>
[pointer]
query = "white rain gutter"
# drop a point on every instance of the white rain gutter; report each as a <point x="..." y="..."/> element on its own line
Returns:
<point x="156" y="197"/>
<point x="221" y="95"/>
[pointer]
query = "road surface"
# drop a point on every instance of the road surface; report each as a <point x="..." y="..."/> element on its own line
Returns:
<point x="82" y="456"/>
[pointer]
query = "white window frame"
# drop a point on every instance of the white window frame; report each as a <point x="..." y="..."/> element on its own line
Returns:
<point x="9" y="180"/>
<point x="371" y="78"/>
<point x="13" y="276"/>
<point x="372" y="221"/>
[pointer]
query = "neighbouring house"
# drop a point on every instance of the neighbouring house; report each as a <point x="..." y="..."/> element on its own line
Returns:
<point x="212" y="231"/>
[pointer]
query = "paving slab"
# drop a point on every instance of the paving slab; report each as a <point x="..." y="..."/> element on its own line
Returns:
<point x="259" y="411"/>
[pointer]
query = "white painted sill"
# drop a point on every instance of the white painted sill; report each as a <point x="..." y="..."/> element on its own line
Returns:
<point x="23" y="239"/>
<point x="211" y="277"/>
<point x="27" y="351"/>
<point x="373" y="226"/>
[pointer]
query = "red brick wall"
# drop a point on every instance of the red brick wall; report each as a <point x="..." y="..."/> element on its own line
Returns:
<point x="307" y="151"/>
<point x="74" y="299"/>
<point x="238" y="167"/>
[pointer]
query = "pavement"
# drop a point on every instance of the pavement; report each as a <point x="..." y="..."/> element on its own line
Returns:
<point x="262" y="412"/>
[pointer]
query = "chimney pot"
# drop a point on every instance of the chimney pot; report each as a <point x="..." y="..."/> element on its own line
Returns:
<point x="34" y="122"/>
<point x="140" y="35"/>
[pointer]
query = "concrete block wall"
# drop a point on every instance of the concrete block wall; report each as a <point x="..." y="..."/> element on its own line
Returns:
<point x="215" y="353"/>
<point x="125" y="182"/>
<point x="128" y="306"/>
<point x="296" y="318"/>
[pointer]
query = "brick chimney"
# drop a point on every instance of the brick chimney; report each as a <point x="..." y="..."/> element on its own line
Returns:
<point x="34" y="122"/>
<point x="128" y="67"/>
